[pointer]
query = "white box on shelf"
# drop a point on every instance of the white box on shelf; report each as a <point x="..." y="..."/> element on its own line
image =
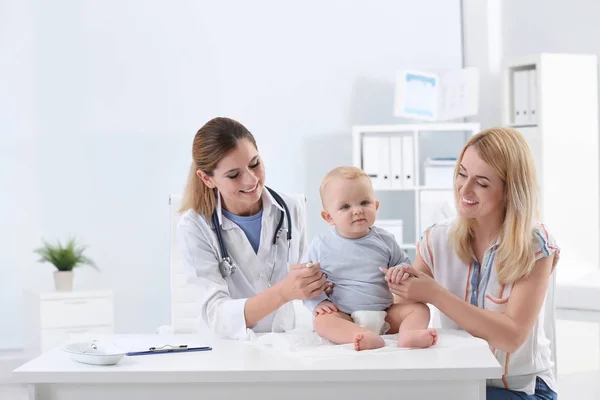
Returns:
<point x="439" y="172"/>
<point x="393" y="226"/>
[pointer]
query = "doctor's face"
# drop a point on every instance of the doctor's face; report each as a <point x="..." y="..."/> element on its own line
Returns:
<point x="240" y="177"/>
<point x="480" y="191"/>
<point x="350" y="206"/>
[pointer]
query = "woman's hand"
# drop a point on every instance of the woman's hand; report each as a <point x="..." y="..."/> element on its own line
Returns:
<point x="302" y="282"/>
<point x="414" y="285"/>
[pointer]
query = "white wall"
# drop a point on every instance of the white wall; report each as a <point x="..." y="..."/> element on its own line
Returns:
<point x="499" y="29"/>
<point x="483" y="33"/>
<point x="19" y="195"/>
<point x="107" y="96"/>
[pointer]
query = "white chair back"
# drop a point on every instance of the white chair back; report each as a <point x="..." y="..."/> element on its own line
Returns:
<point x="550" y="319"/>
<point x="185" y="313"/>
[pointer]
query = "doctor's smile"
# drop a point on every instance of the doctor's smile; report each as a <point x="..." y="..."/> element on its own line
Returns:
<point x="253" y="190"/>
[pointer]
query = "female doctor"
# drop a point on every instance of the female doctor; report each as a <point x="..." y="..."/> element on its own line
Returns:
<point x="238" y="238"/>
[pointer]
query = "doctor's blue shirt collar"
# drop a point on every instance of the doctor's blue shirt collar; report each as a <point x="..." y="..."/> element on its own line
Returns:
<point x="268" y="203"/>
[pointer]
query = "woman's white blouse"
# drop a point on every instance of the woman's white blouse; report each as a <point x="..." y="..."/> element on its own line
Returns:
<point x="479" y="285"/>
<point x="222" y="300"/>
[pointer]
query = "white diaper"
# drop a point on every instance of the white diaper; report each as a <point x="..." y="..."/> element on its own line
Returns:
<point x="371" y="320"/>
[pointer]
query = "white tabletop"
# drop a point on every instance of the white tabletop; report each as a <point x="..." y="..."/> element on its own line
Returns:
<point x="457" y="356"/>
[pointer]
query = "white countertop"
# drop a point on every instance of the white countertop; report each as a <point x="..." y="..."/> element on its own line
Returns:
<point x="457" y="356"/>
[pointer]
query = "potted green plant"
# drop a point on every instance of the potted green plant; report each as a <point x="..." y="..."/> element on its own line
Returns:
<point x="64" y="258"/>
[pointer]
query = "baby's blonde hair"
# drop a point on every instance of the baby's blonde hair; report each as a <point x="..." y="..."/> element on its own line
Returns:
<point x="344" y="172"/>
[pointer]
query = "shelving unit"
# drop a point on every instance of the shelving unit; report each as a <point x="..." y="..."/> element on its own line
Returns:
<point x="386" y="159"/>
<point x="559" y="93"/>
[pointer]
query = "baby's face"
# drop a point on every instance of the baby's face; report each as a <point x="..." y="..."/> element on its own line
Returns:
<point x="350" y="205"/>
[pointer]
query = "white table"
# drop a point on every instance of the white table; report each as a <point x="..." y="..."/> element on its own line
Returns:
<point x="456" y="369"/>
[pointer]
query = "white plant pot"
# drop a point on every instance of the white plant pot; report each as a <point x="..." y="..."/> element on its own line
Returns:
<point x="63" y="281"/>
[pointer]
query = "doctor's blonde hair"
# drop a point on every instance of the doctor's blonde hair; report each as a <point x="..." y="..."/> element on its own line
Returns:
<point x="506" y="151"/>
<point x="211" y="143"/>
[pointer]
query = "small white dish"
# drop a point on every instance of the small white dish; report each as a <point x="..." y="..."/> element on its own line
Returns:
<point x="95" y="353"/>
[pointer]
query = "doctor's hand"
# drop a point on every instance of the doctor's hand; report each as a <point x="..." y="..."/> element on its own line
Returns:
<point x="415" y="285"/>
<point x="302" y="283"/>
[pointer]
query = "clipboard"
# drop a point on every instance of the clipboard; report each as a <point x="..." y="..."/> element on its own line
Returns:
<point x="168" y="349"/>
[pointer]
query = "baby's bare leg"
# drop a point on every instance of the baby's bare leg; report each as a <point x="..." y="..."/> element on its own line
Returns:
<point x="411" y="321"/>
<point x="339" y="328"/>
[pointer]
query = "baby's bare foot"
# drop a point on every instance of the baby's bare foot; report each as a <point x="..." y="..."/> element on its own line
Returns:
<point x="434" y="334"/>
<point x="418" y="338"/>
<point x="367" y="341"/>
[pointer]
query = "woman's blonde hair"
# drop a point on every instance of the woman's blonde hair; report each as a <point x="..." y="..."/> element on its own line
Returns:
<point x="506" y="151"/>
<point x="212" y="142"/>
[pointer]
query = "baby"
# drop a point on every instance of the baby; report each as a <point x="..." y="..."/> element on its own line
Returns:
<point x="361" y="308"/>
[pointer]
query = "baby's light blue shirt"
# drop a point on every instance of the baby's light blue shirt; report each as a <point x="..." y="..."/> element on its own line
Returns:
<point x="353" y="267"/>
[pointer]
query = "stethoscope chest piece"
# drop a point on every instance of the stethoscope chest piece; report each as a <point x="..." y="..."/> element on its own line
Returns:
<point x="226" y="267"/>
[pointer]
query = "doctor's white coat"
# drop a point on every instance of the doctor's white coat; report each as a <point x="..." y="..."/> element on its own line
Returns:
<point x="222" y="300"/>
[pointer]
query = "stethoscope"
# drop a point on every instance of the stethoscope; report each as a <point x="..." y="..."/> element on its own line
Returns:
<point x="227" y="265"/>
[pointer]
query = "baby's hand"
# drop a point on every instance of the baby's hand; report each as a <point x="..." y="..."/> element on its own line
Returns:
<point x="325" y="307"/>
<point x="395" y="274"/>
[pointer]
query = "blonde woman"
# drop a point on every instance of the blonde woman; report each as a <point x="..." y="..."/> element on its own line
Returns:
<point x="488" y="269"/>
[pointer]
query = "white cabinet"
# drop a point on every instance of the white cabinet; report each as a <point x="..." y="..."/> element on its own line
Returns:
<point x="394" y="156"/>
<point x="552" y="99"/>
<point x="54" y="318"/>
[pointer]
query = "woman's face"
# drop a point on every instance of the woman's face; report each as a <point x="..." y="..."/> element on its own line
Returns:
<point x="480" y="191"/>
<point x="240" y="178"/>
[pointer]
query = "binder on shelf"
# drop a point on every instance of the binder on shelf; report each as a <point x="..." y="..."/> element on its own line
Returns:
<point x="532" y="96"/>
<point x="370" y="162"/>
<point x="396" y="162"/>
<point x="524" y="90"/>
<point x="514" y="98"/>
<point x="524" y="96"/>
<point x="376" y="160"/>
<point x="517" y="97"/>
<point x="385" y="181"/>
<point x="408" y="162"/>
